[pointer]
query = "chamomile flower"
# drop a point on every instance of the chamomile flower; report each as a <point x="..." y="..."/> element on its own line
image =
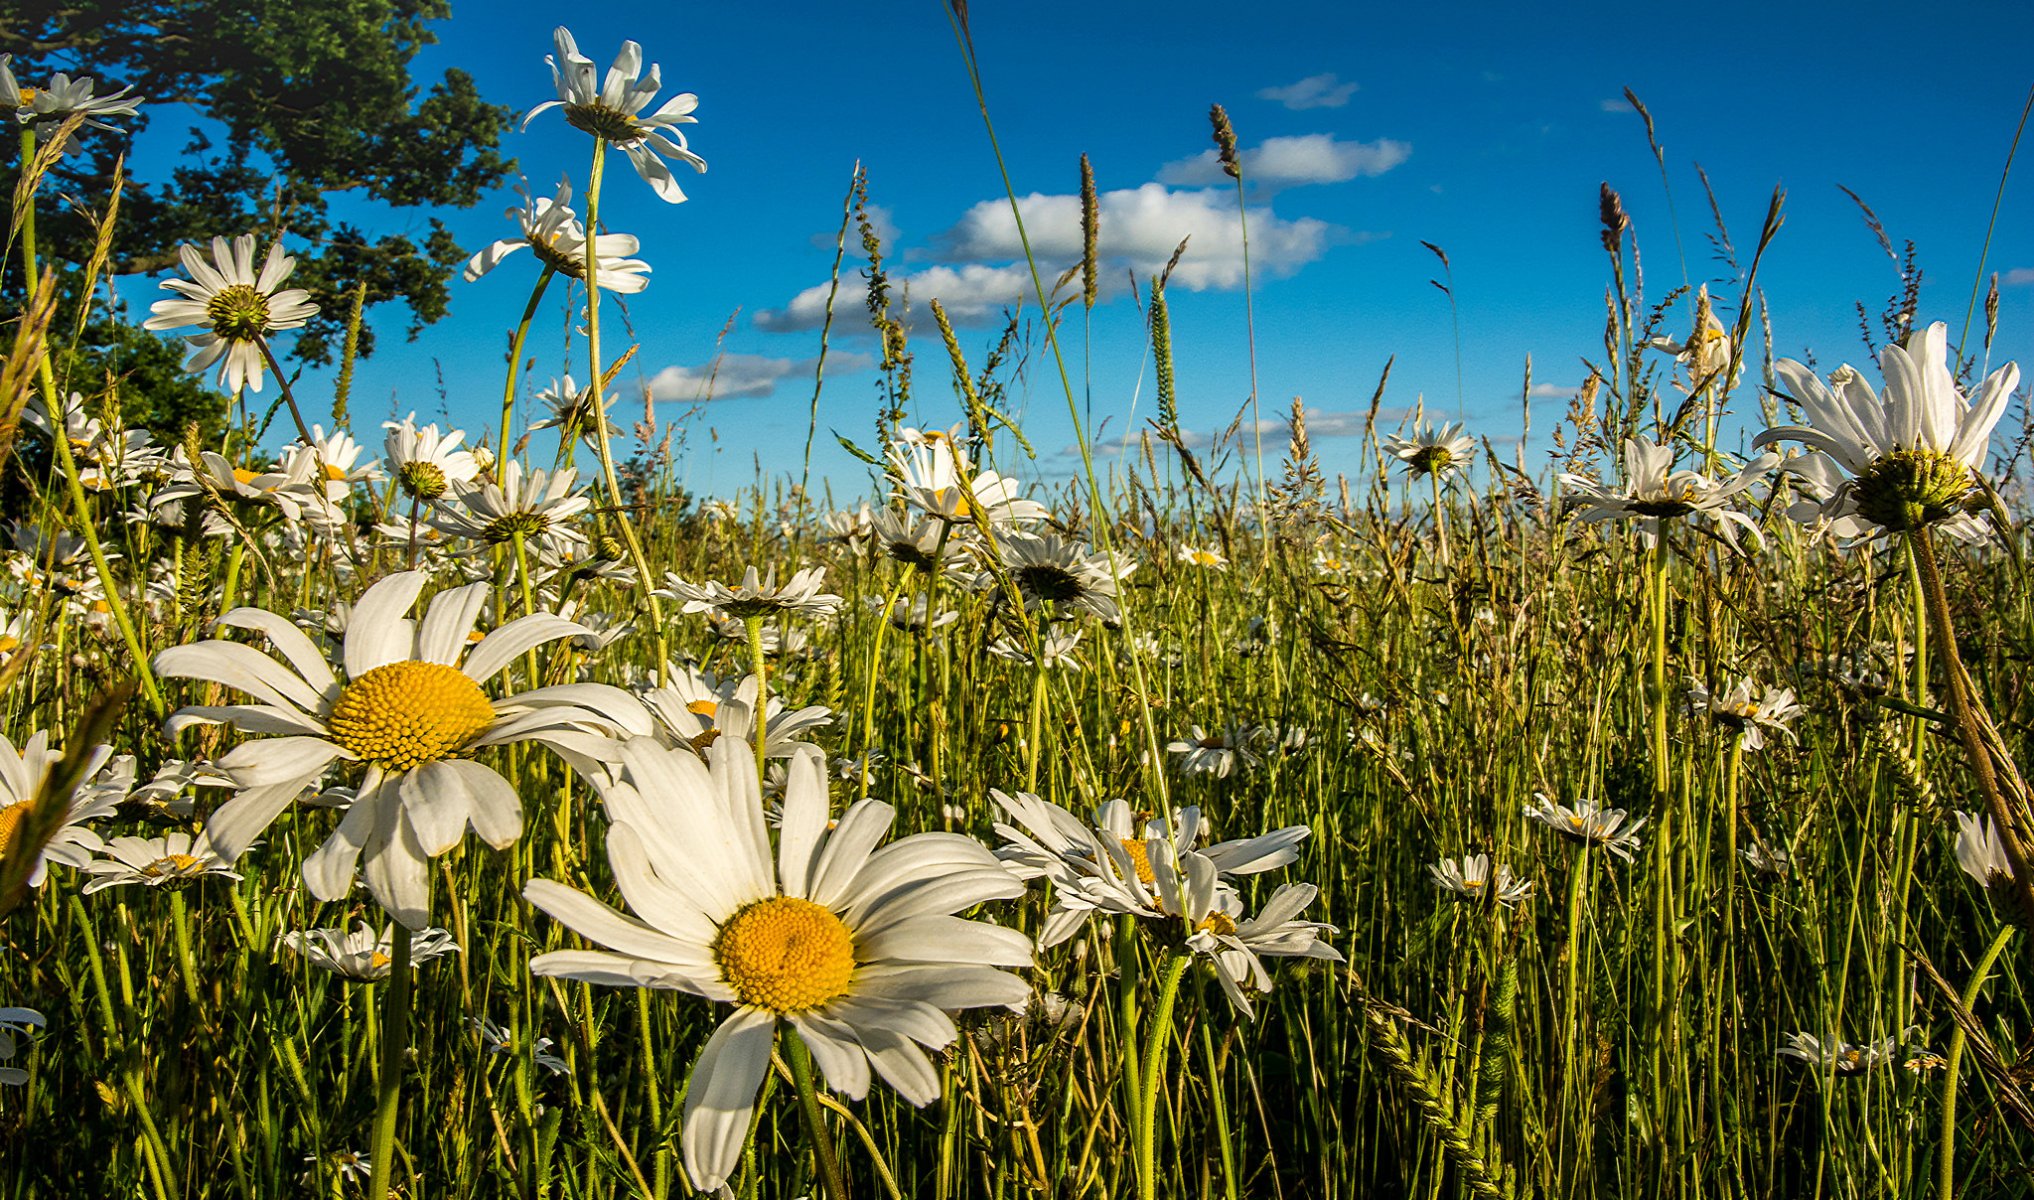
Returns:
<point x="1235" y="943"/>
<point x="1653" y="491"/>
<point x="695" y="709"/>
<point x="612" y="110"/>
<point x="1747" y="710"/>
<point x="1469" y="878"/>
<point x="1706" y="353"/>
<point x="552" y="232"/>
<point x="856" y="948"/>
<point x="65" y="96"/>
<point x="337" y="458"/>
<point x="427" y="463"/>
<point x="363" y="955"/>
<point x="1844" y="1058"/>
<point x="571" y="410"/>
<point x="1432" y="450"/>
<point x="1203" y="556"/>
<point x="925" y="543"/>
<point x="913" y="614"/>
<point x="1910" y="453"/>
<point x="291" y="490"/>
<point x="22" y="773"/>
<point x="756" y="595"/>
<point x="1588" y="825"/>
<point x="932" y="476"/>
<point x="1980" y="852"/>
<point x="536" y="506"/>
<point x="174" y="859"/>
<point x="236" y="305"/>
<point x="1056" y="648"/>
<point x="1056" y="574"/>
<point x="410" y="709"/>
<point x="1219" y="754"/>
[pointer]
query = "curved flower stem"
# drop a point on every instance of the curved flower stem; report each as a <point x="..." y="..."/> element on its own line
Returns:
<point x="59" y="438"/>
<point x="868" y="730"/>
<point x="1578" y="885"/>
<point x="599" y="388"/>
<point x="1440" y="518"/>
<point x="395" y="1036"/>
<point x="1945" y="1188"/>
<point x="1158" y="1039"/>
<point x="508" y="391"/>
<point x="800" y="1060"/>
<point x="759" y="667"/>
<point x="1031" y="748"/>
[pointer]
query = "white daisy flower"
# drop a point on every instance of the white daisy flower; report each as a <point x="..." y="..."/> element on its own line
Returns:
<point x="851" y="529"/>
<point x="571" y="409"/>
<point x="927" y="543"/>
<point x="15" y="1023"/>
<point x="337" y="458"/>
<point x="1653" y="491"/>
<point x="1767" y="858"/>
<point x="755" y="595"/>
<point x="291" y="490"/>
<point x="410" y="708"/>
<point x="64" y="97"/>
<point x="1469" y="878"/>
<point x="855" y="948"/>
<point x="236" y="305"/>
<point x="427" y="463"/>
<point x="1233" y="942"/>
<point x="1588" y="825"/>
<point x="1845" y="1058"/>
<point x="364" y="955"/>
<point x="913" y="613"/>
<point x="551" y="231"/>
<point x="1980" y="852"/>
<point x="351" y="1165"/>
<point x="612" y="109"/>
<point x="1203" y="556"/>
<point x="928" y="468"/>
<point x="536" y="505"/>
<point x="1705" y="355"/>
<point x="694" y="709"/>
<point x="174" y="859"/>
<point x="1431" y="450"/>
<point x="1911" y="453"/>
<point x="1219" y="754"/>
<point x="1746" y="710"/>
<point x="100" y="788"/>
<point x="1056" y="646"/>
<point x="497" y="1041"/>
<point x="1057" y="574"/>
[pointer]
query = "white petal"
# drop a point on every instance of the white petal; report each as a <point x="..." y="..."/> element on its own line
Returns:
<point x="441" y="638"/>
<point x="506" y="644"/>
<point x="598" y="923"/>
<point x="848" y="848"/>
<point x="722" y="1095"/>
<point x="377" y="633"/>
<point x="435" y="806"/>
<point x="836" y="1052"/>
<point x="804" y="824"/>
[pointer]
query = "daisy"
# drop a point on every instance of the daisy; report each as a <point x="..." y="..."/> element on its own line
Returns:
<point x="337" y="458"/>
<point x="855" y="948"/>
<point x="291" y="490"/>
<point x="362" y="954"/>
<point x="925" y="543"/>
<point x="571" y="409"/>
<point x="553" y="233"/>
<point x="174" y="859"/>
<point x="1746" y="711"/>
<point x="47" y="107"/>
<point x="15" y="1022"/>
<point x="1588" y="825"/>
<point x="1431" y="450"/>
<point x="1056" y="649"/>
<point x="1217" y="754"/>
<point x="535" y="505"/>
<point x="928" y="470"/>
<point x="351" y="1165"/>
<point x="1706" y="353"/>
<point x="1203" y="556"/>
<point x="408" y="709"/>
<point x="1845" y="1058"/>
<point x="427" y="463"/>
<point x="1910" y="454"/>
<point x="755" y="595"/>
<point x="850" y="529"/>
<point x="913" y="613"/>
<point x="101" y="786"/>
<point x="497" y="1041"/>
<point x="1234" y="943"/>
<point x="1469" y="879"/>
<point x="1980" y="852"/>
<point x="235" y="305"/>
<point x="1058" y="575"/>
<point x="1766" y="858"/>
<point x="694" y="709"/>
<point x="1653" y="491"/>
<point x="612" y="111"/>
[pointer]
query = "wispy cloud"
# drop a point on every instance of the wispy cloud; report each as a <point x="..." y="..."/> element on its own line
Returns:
<point x="1292" y="161"/>
<point x="2017" y="277"/>
<point x="1315" y="91"/>
<point x="1616" y="104"/>
<point x="970" y="293"/>
<point x="737" y="376"/>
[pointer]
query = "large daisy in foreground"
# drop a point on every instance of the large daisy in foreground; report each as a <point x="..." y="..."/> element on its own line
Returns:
<point x="855" y="948"/>
<point x="411" y="709"/>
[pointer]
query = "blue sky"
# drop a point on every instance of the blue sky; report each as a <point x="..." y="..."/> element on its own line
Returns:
<point x="1485" y="129"/>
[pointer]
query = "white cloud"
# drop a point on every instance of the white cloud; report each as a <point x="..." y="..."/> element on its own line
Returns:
<point x="2017" y="277"/>
<point x="735" y="376"/>
<point x="1315" y="91"/>
<point x="1616" y="104"/>
<point x="1289" y="161"/>
<point x="1321" y="424"/>
<point x="970" y="293"/>
<point x="1141" y="227"/>
<point x="1552" y="391"/>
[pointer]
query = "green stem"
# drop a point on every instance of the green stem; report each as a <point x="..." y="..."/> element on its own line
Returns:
<point x="759" y="667"/>
<point x="1031" y="748"/>
<point x="508" y="391"/>
<point x="1158" y="1039"/>
<point x="800" y="1060"/>
<point x="395" y="1030"/>
<point x="1946" y="1171"/>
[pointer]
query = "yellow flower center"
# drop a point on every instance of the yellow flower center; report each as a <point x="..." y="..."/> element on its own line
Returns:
<point x="1219" y="923"/>
<point x="378" y="960"/>
<point x="334" y="474"/>
<point x="238" y="313"/>
<point x="402" y="715"/>
<point x="9" y="643"/>
<point x="10" y="819"/>
<point x="1140" y="857"/>
<point x="702" y="708"/>
<point x="174" y="865"/>
<point x="245" y="477"/>
<point x="785" y="954"/>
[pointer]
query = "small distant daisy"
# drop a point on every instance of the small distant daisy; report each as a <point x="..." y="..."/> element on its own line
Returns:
<point x="174" y="859"/>
<point x="103" y="783"/>
<point x="235" y="304"/>
<point x="1980" y="852"/>
<point x="552" y="232"/>
<point x="411" y="709"/>
<point x="913" y="614"/>
<point x="337" y="457"/>
<point x="497" y="1041"/>
<point x="1203" y="556"/>
<point x="1705" y="355"/>
<point x="15" y="1023"/>
<point x="65" y="96"/>
<point x="755" y="595"/>
<point x="536" y="505"/>
<point x="1234" y="943"/>
<point x="856" y="948"/>
<point x="928" y="469"/>
<point x="1747" y="711"/>
<point x="362" y="954"/>
<point x="290" y="490"/>
<point x="1469" y="878"/>
<point x="1220" y="754"/>
<point x="571" y="410"/>
<point x="1431" y="450"/>
<point x="695" y="709"/>
<point x="1653" y="492"/>
<point x="926" y="543"/>
<point x="352" y="1165"/>
<point x="1588" y="825"/>
<point x="427" y="463"/>
<point x="1845" y="1058"/>
<point x="1768" y="858"/>
<point x="1056" y="648"/>
<point x="1057" y="574"/>
<point x="612" y="109"/>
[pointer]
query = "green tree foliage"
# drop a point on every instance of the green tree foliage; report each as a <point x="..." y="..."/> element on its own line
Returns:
<point x="304" y="102"/>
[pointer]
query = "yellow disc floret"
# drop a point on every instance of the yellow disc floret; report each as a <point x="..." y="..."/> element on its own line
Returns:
<point x="404" y="714"/>
<point x="785" y="954"/>
<point x="10" y="820"/>
<point x="174" y="866"/>
<point x="1140" y="857"/>
<point x="1219" y="923"/>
